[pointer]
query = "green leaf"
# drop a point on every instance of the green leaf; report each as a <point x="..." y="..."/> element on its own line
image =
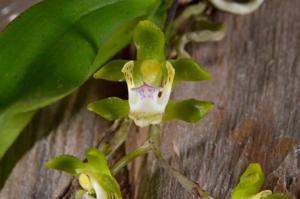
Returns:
<point x="66" y="163"/>
<point x="278" y="196"/>
<point x="188" y="110"/>
<point x="189" y="70"/>
<point x="111" y="71"/>
<point x="10" y="126"/>
<point x="97" y="161"/>
<point x="110" y="108"/>
<point x="159" y="17"/>
<point x="60" y="44"/>
<point x="149" y="41"/>
<point x="250" y="183"/>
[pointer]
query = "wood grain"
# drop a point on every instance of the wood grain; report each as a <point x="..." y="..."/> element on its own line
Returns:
<point x="256" y="90"/>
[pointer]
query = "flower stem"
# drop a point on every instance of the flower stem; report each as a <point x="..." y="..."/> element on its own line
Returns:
<point x="144" y="149"/>
<point x="118" y="138"/>
<point x="188" y="184"/>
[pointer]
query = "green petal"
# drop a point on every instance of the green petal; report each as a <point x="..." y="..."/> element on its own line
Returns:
<point x="188" y="110"/>
<point x="109" y="184"/>
<point x="261" y="194"/>
<point x="149" y="41"/>
<point x="189" y="70"/>
<point x="97" y="161"/>
<point x="278" y="196"/>
<point x="66" y="163"/>
<point x="112" y="108"/>
<point x="250" y="183"/>
<point x="111" y="71"/>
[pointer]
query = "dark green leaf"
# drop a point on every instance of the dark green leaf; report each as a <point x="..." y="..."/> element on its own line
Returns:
<point x="250" y="183"/>
<point x="10" y="126"/>
<point x="55" y="46"/>
<point x="188" y="110"/>
<point x="159" y="17"/>
<point x="66" y="163"/>
<point x="111" y="71"/>
<point x="188" y="70"/>
<point x="111" y="108"/>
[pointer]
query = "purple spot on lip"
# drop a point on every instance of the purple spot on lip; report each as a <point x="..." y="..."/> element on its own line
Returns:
<point x="147" y="91"/>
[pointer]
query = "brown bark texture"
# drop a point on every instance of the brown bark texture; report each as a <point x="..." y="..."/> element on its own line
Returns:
<point x="256" y="118"/>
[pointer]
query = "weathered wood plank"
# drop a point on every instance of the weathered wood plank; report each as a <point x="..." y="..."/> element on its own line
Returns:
<point x="256" y="89"/>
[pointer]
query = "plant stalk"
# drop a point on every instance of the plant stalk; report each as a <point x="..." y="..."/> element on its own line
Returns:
<point x="191" y="186"/>
<point x="144" y="149"/>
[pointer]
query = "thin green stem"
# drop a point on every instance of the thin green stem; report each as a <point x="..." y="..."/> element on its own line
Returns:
<point x="118" y="139"/>
<point x="144" y="149"/>
<point x="188" y="184"/>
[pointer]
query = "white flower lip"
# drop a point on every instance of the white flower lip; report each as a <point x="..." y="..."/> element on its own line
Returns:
<point x="148" y="103"/>
<point x="88" y="183"/>
<point x="100" y="192"/>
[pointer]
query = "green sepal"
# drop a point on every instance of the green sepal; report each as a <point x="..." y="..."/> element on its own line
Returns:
<point x="188" y="70"/>
<point x="261" y="194"/>
<point x="149" y="41"/>
<point x="109" y="184"/>
<point x="107" y="181"/>
<point x="250" y="183"/>
<point x="97" y="161"/>
<point x="277" y="196"/>
<point x="190" y="110"/>
<point x="112" y="108"/>
<point x="112" y="71"/>
<point x="66" y="163"/>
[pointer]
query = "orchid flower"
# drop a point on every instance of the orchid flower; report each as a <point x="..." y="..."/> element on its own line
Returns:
<point x="251" y="181"/>
<point x="94" y="176"/>
<point x="150" y="80"/>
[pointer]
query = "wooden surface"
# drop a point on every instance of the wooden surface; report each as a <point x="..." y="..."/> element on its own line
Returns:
<point x="256" y="90"/>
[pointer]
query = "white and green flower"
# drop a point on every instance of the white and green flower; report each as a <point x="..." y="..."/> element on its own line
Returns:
<point x="150" y="80"/>
<point x="94" y="175"/>
<point x="251" y="182"/>
<point x="148" y="102"/>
